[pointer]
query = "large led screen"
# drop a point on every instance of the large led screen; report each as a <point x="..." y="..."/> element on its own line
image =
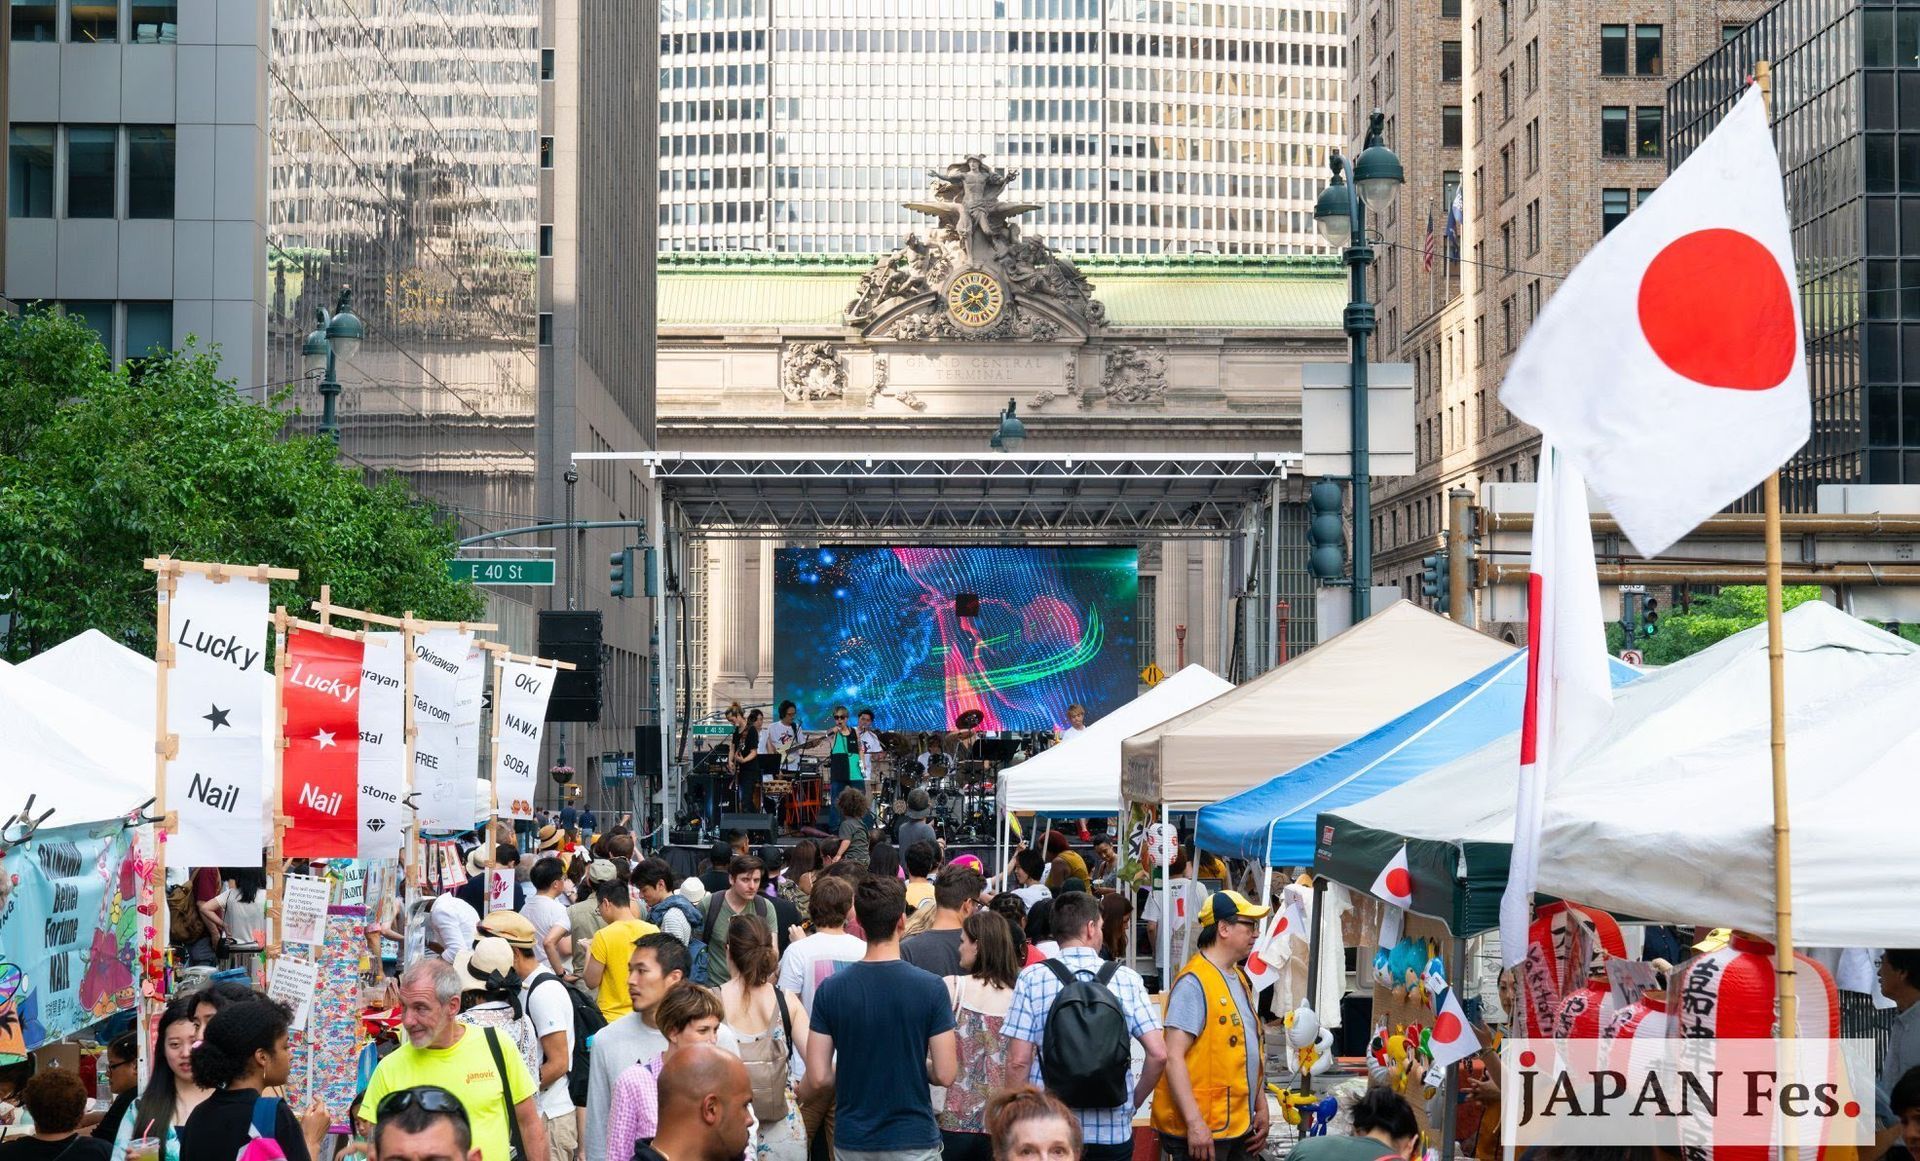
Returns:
<point x="883" y="627"/>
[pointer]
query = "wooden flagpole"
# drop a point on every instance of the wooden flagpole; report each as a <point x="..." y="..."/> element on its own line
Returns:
<point x="1783" y="957"/>
<point x="276" y="864"/>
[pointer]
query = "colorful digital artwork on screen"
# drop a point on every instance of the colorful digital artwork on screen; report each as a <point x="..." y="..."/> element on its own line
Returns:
<point x="878" y="627"/>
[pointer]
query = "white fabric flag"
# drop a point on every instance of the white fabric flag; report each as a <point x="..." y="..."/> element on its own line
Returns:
<point x="445" y="791"/>
<point x="383" y="746"/>
<point x="522" y="706"/>
<point x="1452" y="1037"/>
<point x="1669" y="367"/>
<point x="467" y="706"/>
<point x="215" y="707"/>
<point x="1569" y="695"/>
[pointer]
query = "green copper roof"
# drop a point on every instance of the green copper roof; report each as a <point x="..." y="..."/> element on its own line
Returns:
<point x="1168" y="291"/>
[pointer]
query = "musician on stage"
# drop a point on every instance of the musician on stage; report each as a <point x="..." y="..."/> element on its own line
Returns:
<point x="1076" y="721"/>
<point x="934" y="759"/>
<point x="869" y="746"/>
<point x="842" y="760"/>
<point x="743" y="757"/>
<point x="780" y="752"/>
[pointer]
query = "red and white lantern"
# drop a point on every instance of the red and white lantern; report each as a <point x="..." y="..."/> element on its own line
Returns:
<point x="1564" y="946"/>
<point x="1584" y="1010"/>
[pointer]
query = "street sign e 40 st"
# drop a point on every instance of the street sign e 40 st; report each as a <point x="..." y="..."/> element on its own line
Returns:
<point x="502" y="572"/>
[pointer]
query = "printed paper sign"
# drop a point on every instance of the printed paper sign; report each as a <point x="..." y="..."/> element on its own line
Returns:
<point x="303" y="915"/>
<point x="292" y="982"/>
<point x="319" y="784"/>
<point x="445" y="793"/>
<point x="215" y="703"/>
<point x="524" y="690"/>
<point x="383" y="746"/>
<point x="466" y="725"/>
<point x="70" y="934"/>
<point x="1630" y="979"/>
<point x="500" y="889"/>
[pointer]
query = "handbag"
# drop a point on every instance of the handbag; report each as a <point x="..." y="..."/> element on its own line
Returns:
<point x="517" y="1150"/>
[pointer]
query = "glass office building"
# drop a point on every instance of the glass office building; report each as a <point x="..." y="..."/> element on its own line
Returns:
<point x="405" y="159"/>
<point x="1846" y="106"/>
<point x="1139" y="126"/>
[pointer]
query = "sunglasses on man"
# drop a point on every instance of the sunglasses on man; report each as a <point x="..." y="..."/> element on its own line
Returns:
<point x="427" y="1097"/>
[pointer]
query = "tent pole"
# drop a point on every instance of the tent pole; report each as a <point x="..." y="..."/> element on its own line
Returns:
<point x="1164" y="953"/>
<point x="1313" y="960"/>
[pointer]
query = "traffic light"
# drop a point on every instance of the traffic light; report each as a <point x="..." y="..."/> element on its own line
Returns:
<point x="1435" y="582"/>
<point x="620" y="573"/>
<point x="1326" y="532"/>
<point x="1650" y="618"/>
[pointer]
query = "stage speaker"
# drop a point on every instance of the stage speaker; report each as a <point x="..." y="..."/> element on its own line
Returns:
<point x="747" y="824"/>
<point x="646" y="752"/>
<point x="573" y="636"/>
<point x="966" y="604"/>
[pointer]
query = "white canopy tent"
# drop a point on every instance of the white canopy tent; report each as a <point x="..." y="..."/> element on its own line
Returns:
<point x="1081" y="776"/>
<point x="1668" y="815"/>
<point x="84" y="765"/>
<point x="1692" y="818"/>
<point x="1397" y="659"/>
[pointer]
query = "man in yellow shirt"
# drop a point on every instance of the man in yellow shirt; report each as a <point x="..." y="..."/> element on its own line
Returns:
<point x="485" y="1073"/>
<point x="612" y="948"/>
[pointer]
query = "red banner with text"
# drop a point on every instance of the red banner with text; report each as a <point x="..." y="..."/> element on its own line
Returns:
<point x="319" y="789"/>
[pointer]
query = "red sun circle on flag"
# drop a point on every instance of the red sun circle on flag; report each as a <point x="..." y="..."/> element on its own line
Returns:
<point x="1280" y="926"/>
<point x="1716" y="308"/>
<point x="1400" y="883"/>
<point x="1255" y="965"/>
<point x="1446" y="1027"/>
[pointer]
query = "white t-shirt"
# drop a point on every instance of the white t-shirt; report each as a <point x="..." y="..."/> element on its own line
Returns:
<point x="869" y="746"/>
<point x="781" y="734"/>
<point x="246" y="922"/>
<point x="810" y="960"/>
<point x="1032" y="894"/>
<point x="545" y="913"/>
<point x="550" y="1011"/>
<point x="451" y="923"/>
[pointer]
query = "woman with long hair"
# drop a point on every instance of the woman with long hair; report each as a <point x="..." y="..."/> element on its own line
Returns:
<point x="743" y="755"/>
<point x="242" y="1053"/>
<point x="238" y="915"/>
<point x="771" y="1026"/>
<point x="884" y="861"/>
<point x="1014" y="909"/>
<point x="980" y="1000"/>
<point x="796" y="882"/>
<point x="1116" y="914"/>
<point x="171" y="1094"/>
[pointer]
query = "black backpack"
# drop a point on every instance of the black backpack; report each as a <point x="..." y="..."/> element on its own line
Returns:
<point x="586" y="1021"/>
<point x="1087" y="1047"/>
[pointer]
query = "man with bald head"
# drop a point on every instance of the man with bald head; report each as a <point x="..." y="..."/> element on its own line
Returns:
<point x="706" y="1107"/>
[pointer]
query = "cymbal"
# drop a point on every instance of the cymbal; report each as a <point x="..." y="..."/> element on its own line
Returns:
<point x="970" y="720"/>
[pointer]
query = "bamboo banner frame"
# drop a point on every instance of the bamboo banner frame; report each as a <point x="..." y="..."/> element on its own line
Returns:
<point x="501" y="654"/>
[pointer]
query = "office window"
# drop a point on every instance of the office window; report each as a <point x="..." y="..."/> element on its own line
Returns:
<point x="1450" y="125"/>
<point x="1507" y="333"/>
<point x="149" y="171"/>
<point x="97" y="315"/>
<point x="34" y="22"/>
<point x="90" y="164"/>
<point x="1613" y="131"/>
<point x="546" y="328"/>
<point x="1449" y="187"/>
<point x="1531" y="57"/>
<point x="156" y="21"/>
<point x="1506" y="27"/>
<point x="149" y="328"/>
<point x="546" y="241"/>
<point x="1450" y="9"/>
<point x="1647" y="55"/>
<point x="1729" y="31"/>
<point x="1640" y="197"/>
<point x="1533" y="226"/>
<point x="1506" y="172"/>
<point x="546" y="64"/>
<point x="30" y="171"/>
<point x="1479" y="119"/>
<point x="93" y="21"/>
<point x="1613" y="50"/>
<point x="1614" y="207"/>
<point x="1449" y="60"/>
<point x="1533" y="145"/>
<point x="1649" y="130"/>
<point x="1506" y="94"/>
<point x="1145" y="621"/>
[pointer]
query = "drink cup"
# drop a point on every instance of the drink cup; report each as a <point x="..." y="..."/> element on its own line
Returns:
<point x="143" y="1149"/>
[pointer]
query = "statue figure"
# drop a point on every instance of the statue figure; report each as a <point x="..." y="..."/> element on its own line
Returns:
<point x="969" y="205"/>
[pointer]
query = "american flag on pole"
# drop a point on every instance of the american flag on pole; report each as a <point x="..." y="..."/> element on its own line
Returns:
<point x="1426" y="250"/>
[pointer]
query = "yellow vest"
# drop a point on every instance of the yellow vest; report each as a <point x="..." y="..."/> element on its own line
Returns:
<point x="1217" y="1061"/>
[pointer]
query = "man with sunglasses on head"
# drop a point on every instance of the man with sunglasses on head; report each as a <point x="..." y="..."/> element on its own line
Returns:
<point x="1214" y="1044"/>
<point x="424" y="1123"/>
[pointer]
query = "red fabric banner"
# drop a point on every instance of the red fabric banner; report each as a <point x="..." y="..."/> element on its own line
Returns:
<point x="319" y="789"/>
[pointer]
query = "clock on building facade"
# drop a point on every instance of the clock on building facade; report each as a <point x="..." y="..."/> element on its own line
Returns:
<point x="975" y="299"/>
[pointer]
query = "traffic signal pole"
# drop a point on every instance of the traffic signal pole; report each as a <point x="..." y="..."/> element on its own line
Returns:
<point x="1459" y="554"/>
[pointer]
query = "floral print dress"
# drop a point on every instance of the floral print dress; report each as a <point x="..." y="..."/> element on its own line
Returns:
<point x="983" y="1063"/>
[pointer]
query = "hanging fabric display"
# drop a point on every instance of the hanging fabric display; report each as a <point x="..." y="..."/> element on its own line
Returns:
<point x="383" y="746"/>
<point x="522" y="707"/>
<point x="217" y="697"/>
<point x="445" y="791"/>
<point x="319" y="783"/>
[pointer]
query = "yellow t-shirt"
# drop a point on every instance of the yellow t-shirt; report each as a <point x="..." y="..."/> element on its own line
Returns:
<point x="613" y="947"/>
<point x="467" y="1071"/>
<point x="918" y="892"/>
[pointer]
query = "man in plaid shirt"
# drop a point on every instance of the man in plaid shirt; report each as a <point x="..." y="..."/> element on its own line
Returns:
<point x="1076" y="925"/>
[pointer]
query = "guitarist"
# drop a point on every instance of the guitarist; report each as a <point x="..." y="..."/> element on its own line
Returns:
<point x="784" y="739"/>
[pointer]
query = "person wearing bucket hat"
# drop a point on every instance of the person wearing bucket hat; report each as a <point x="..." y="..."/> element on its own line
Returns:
<point x="916" y="828"/>
<point x="1214" y="1043"/>
<point x="490" y="995"/>
<point x="583" y="918"/>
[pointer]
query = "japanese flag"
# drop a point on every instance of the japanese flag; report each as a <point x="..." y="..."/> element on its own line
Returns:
<point x="1669" y="368"/>
<point x="1453" y="1038"/>
<point x="1292" y="922"/>
<point x="1395" y="882"/>
<point x="1272" y="949"/>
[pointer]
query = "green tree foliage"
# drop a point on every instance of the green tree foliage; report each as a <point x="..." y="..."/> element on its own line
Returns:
<point x="1711" y="619"/>
<point x="101" y="468"/>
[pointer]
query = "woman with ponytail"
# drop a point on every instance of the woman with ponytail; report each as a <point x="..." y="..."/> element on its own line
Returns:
<point x="1030" y="1124"/>
<point x="242" y="1053"/>
<point x="771" y="1027"/>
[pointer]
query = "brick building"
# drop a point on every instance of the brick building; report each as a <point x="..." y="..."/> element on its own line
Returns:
<point x="1550" y="118"/>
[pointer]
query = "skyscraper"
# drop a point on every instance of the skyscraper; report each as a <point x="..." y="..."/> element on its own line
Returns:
<point x="1141" y="126"/>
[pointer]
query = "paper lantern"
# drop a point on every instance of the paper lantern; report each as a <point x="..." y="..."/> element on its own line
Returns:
<point x="1730" y="994"/>
<point x="1563" y="947"/>
<point x="1645" y="1018"/>
<point x="1583" y="1011"/>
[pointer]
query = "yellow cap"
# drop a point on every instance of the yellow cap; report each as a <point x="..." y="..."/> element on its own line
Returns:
<point x="1224" y="905"/>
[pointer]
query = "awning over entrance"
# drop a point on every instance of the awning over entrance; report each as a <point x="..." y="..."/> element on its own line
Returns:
<point x="1038" y="497"/>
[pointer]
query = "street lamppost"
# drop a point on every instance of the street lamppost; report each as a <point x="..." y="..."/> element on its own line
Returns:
<point x="1341" y="214"/>
<point x="339" y="333"/>
<point x="1012" y="432"/>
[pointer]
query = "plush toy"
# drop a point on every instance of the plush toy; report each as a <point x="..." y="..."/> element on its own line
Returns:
<point x="1303" y="1026"/>
<point x="1318" y="1060"/>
